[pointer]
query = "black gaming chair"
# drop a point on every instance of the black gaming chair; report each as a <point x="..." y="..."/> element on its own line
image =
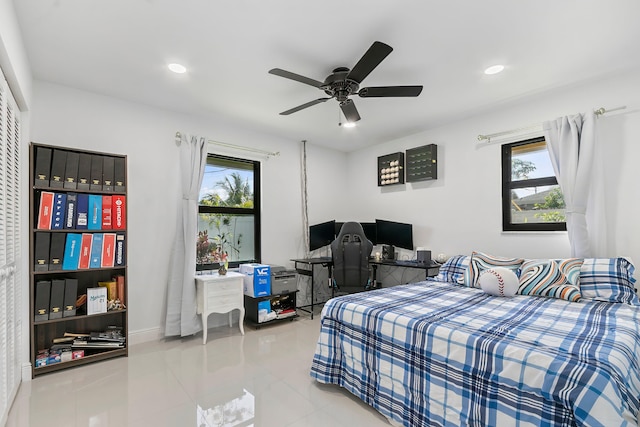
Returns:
<point x="350" y="252"/>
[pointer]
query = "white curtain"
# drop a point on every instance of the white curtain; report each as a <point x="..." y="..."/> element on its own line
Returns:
<point x="571" y="141"/>
<point x="181" y="290"/>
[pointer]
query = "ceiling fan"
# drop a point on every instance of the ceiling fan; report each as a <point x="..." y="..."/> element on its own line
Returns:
<point x="343" y="82"/>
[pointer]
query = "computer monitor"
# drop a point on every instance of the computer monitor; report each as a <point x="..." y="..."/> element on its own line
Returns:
<point x="370" y="231"/>
<point x="321" y="235"/>
<point x="394" y="233"/>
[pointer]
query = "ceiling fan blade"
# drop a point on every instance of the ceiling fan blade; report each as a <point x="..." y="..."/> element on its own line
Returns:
<point x="303" y="106"/>
<point x="383" y="91"/>
<point x="370" y="60"/>
<point x="296" y="77"/>
<point x="350" y="111"/>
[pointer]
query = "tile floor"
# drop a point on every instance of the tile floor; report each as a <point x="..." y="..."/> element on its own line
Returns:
<point x="259" y="379"/>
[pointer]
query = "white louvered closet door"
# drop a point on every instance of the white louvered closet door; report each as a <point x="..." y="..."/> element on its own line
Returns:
<point x="10" y="292"/>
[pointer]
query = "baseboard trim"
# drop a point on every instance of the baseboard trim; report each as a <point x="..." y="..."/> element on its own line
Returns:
<point x="26" y="371"/>
<point x="145" y="335"/>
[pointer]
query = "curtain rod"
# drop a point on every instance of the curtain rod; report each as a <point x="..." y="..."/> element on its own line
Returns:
<point x="235" y="147"/>
<point x="600" y="111"/>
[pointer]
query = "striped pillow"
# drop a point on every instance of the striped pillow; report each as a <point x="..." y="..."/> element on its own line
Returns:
<point x="480" y="262"/>
<point x="608" y="279"/>
<point x="550" y="278"/>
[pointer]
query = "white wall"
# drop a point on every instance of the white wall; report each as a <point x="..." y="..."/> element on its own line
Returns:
<point x="13" y="57"/>
<point x="461" y="210"/>
<point x="68" y="117"/>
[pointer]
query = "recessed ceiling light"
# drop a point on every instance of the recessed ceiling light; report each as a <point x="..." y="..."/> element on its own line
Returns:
<point x="349" y="124"/>
<point x="177" y="68"/>
<point x="494" y="69"/>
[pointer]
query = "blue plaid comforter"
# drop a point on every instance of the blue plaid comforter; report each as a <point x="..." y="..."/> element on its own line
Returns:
<point x="436" y="354"/>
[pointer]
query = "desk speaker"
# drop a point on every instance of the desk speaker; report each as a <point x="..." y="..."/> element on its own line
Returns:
<point x="423" y="257"/>
<point x="388" y="252"/>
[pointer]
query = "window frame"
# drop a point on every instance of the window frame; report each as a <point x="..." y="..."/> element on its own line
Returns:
<point x="255" y="211"/>
<point x="508" y="184"/>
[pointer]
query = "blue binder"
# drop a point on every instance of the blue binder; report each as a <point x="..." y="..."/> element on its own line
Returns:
<point x="59" y="208"/>
<point x="96" y="251"/>
<point x="82" y="207"/>
<point x="95" y="212"/>
<point x="72" y="251"/>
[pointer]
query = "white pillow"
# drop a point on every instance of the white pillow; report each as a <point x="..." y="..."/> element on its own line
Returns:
<point x="499" y="281"/>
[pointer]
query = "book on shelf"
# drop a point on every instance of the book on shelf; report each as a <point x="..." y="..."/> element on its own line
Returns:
<point x="119" y="278"/>
<point x="108" y="167"/>
<point x="96" y="300"/>
<point x="80" y="343"/>
<point x="56" y="300"/>
<point x="56" y="251"/>
<point x="45" y="210"/>
<point x="41" y="251"/>
<point x="85" y="251"/>
<point x="108" y="248"/>
<point x="72" y="251"/>
<point x="84" y="172"/>
<point x="96" y="251"/>
<point x="96" y="172"/>
<point x="42" y="297"/>
<point x="112" y="290"/>
<point x="118" y="174"/>
<point x="70" y="211"/>
<point x="82" y="209"/>
<point x="120" y="253"/>
<point x="106" y="212"/>
<point x="70" y="297"/>
<point x="43" y="166"/>
<point x="119" y="212"/>
<point x="95" y="212"/>
<point x="58" y="212"/>
<point x="71" y="170"/>
<point x="58" y="163"/>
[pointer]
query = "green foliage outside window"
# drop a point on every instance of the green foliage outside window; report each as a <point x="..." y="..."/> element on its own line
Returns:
<point x="553" y="200"/>
<point x="224" y="244"/>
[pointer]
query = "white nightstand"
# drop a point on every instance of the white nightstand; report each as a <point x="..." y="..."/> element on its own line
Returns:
<point x="220" y="294"/>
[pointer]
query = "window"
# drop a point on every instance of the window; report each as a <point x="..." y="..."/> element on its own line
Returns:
<point x="531" y="197"/>
<point x="228" y="213"/>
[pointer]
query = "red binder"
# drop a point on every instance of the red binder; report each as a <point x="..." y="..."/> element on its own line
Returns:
<point x="85" y="250"/>
<point x="119" y="212"/>
<point x="106" y="212"/>
<point x="45" y="211"/>
<point x="108" y="248"/>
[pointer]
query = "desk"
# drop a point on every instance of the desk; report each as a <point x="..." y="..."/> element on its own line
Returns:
<point x="430" y="269"/>
<point x="306" y="267"/>
<point x="219" y="294"/>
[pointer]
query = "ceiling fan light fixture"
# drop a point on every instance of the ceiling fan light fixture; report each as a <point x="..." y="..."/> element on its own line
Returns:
<point x="177" y="68"/>
<point x="349" y="124"/>
<point x="494" y="69"/>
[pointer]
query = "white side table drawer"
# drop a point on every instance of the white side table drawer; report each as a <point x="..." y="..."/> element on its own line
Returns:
<point x="219" y="294"/>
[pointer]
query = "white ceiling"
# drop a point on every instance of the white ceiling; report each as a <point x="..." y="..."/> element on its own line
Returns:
<point x="121" y="48"/>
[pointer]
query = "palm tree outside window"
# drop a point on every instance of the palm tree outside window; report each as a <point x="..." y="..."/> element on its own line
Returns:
<point x="228" y="213"/>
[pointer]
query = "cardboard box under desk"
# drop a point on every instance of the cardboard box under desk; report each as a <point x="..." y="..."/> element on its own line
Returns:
<point x="257" y="279"/>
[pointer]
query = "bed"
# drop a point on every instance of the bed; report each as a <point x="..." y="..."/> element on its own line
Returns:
<point x="438" y="353"/>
